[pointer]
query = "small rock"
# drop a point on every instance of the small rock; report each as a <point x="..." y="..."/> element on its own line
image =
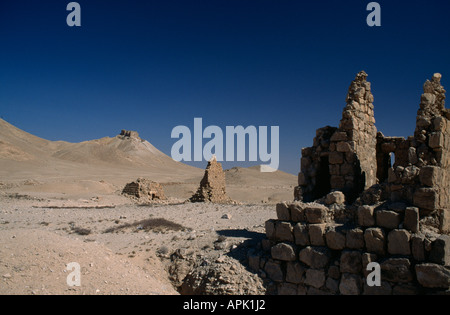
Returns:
<point x="227" y="216"/>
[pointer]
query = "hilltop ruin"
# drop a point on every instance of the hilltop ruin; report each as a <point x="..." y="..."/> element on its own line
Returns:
<point x="354" y="206"/>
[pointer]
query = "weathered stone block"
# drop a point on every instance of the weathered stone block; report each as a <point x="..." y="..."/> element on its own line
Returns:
<point x="335" y="239"/>
<point x="399" y="242"/>
<point x="284" y="232"/>
<point x="343" y="147"/>
<point x="301" y="234"/>
<point x="336" y="158"/>
<point x="294" y="272"/>
<point x="350" y="284"/>
<point x="433" y="276"/>
<point x="317" y="234"/>
<point x="366" y="216"/>
<point x="426" y="199"/>
<point x="436" y="140"/>
<point x="332" y="285"/>
<point x="283" y="212"/>
<point x="339" y="136"/>
<point x="351" y="262"/>
<point x="430" y="176"/>
<point x="417" y="247"/>
<point x="270" y="229"/>
<point x="388" y="219"/>
<point x="440" y="252"/>
<point x="444" y="221"/>
<point x="315" y="257"/>
<point x="334" y="272"/>
<point x="440" y="123"/>
<point x="274" y="271"/>
<point x="355" y="239"/>
<point x="316" y="213"/>
<point x="302" y="179"/>
<point x="335" y="197"/>
<point x="375" y="239"/>
<point x="411" y="221"/>
<point x="315" y="278"/>
<point x="297" y="212"/>
<point x="396" y="270"/>
<point x="284" y="252"/>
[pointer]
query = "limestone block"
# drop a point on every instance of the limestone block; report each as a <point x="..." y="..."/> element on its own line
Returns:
<point x="417" y="247"/>
<point x="335" y="239"/>
<point x="294" y="272"/>
<point x="366" y="216"/>
<point x="440" y="251"/>
<point x="315" y="278"/>
<point x="430" y="176"/>
<point x="317" y="234"/>
<point x="351" y="262"/>
<point x="411" y="221"/>
<point x="388" y="219"/>
<point x="355" y="239"/>
<point x="399" y="242"/>
<point x="301" y="234"/>
<point x="350" y="284"/>
<point x="284" y="252"/>
<point x="274" y="271"/>
<point x="375" y="240"/>
<point x="283" y="212"/>
<point x="284" y="232"/>
<point x="433" y="276"/>
<point x="396" y="270"/>
<point x="426" y="199"/>
<point x="335" y="197"/>
<point x="297" y="210"/>
<point x="315" y="257"/>
<point x="336" y="158"/>
<point x="316" y="213"/>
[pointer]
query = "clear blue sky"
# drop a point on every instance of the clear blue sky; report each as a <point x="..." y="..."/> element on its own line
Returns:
<point x="152" y="65"/>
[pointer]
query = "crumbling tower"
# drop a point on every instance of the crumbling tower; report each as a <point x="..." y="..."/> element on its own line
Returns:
<point x="343" y="158"/>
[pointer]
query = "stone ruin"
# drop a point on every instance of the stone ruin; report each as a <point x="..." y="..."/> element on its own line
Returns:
<point x="129" y="134"/>
<point x="212" y="186"/>
<point x="354" y="206"/>
<point x="144" y="190"/>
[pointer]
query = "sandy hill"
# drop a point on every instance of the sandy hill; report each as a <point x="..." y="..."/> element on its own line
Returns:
<point x="36" y="166"/>
<point x="23" y="154"/>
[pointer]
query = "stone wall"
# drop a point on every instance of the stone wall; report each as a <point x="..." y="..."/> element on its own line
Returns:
<point x="354" y="158"/>
<point x="397" y="212"/>
<point x="144" y="190"/>
<point x="310" y="250"/>
<point x="343" y="158"/>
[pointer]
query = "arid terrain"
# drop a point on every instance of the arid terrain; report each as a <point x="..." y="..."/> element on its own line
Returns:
<point x="61" y="202"/>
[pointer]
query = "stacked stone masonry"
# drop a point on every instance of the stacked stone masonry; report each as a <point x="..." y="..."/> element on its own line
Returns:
<point x="309" y="251"/>
<point x="362" y="198"/>
<point x="355" y="158"/>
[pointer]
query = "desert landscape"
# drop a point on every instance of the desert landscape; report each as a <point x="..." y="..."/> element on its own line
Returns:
<point x="62" y="202"/>
<point x="224" y="148"/>
<point x="137" y="222"/>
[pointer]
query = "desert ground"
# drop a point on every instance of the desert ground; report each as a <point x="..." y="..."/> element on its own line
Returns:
<point x="62" y="202"/>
